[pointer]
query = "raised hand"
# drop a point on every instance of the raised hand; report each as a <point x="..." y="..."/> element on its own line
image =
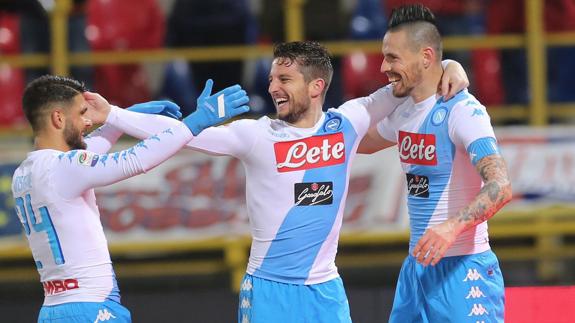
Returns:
<point x="98" y="107"/>
<point x="165" y="108"/>
<point x="453" y="80"/>
<point x="215" y="109"/>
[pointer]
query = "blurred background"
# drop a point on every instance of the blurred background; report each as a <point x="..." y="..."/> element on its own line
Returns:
<point x="179" y="235"/>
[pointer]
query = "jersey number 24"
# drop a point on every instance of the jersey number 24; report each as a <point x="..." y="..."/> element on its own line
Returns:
<point x="26" y="213"/>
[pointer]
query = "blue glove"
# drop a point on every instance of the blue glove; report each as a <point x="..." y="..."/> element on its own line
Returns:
<point x="215" y="109"/>
<point x="165" y="108"/>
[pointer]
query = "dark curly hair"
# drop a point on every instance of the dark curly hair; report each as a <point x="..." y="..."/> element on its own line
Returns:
<point x="311" y="56"/>
<point x="42" y="93"/>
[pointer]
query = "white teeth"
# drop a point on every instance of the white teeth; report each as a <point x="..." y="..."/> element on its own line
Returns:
<point x="280" y="101"/>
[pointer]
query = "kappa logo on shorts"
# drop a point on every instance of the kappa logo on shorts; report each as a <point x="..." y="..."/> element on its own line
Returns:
<point x="417" y="185"/>
<point x="311" y="152"/>
<point x="473" y="275"/>
<point x="478" y="310"/>
<point x="104" y="315"/>
<point x="318" y="193"/>
<point x="475" y="292"/>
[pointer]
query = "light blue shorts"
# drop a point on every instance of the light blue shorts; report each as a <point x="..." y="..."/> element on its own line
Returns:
<point x="265" y="301"/>
<point x="84" y="312"/>
<point x="458" y="289"/>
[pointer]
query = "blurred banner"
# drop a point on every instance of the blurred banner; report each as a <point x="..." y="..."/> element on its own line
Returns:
<point x="196" y="196"/>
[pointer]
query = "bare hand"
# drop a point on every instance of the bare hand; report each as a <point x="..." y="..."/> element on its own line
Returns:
<point x="98" y="107"/>
<point x="453" y="80"/>
<point x="434" y="243"/>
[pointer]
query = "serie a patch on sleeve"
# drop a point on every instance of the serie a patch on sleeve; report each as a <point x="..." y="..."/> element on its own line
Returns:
<point x="86" y="158"/>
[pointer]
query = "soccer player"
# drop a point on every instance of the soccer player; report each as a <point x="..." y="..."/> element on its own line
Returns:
<point x="54" y="188"/>
<point x="297" y="174"/>
<point x="456" y="180"/>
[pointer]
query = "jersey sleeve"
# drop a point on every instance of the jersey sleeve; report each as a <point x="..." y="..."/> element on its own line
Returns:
<point x="386" y="130"/>
<point x="234" y="139"/>
<point x="470" y="127"/>
<point x="367" y="111"/>
<point x="76" y="171"/>
<point x="139" y="125"/>
<point x="102" y="139"/>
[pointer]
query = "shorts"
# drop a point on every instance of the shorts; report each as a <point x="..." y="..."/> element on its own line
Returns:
<point x="458" y="289"/>
<point x="264" y="301"/>
<point x="83" y="312"/>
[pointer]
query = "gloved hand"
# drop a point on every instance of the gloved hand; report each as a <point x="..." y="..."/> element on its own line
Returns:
<point x="165" y="108"/>
<point x="217" y="108"/>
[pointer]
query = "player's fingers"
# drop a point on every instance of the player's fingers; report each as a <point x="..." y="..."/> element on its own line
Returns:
<point x="445" y="87"/>
<point x="230" y="90"/>
<point x="439" y="255"/>
<point x="419" y="245"/>
<point x="240" y="101"/>
<point x="207" y="88"/>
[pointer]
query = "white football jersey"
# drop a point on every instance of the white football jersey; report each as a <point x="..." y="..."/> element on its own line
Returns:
<point x="439" y="143"/>
<point x="296" y="182"/>
<point x="56" y="205"/>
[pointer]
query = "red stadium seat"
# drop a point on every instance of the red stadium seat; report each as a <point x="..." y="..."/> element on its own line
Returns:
<point x="123" y="25"/>
<point x="11" y="78"/>
<point x="540" y="304"/>
<point x="361" y="74"/>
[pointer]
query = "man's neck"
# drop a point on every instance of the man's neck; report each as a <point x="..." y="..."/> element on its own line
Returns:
<point x="429" y="84"/>
<point x="49" y="142"/>
<point x="310" y="118"/>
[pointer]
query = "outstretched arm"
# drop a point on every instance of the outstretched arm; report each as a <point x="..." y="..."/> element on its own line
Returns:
<point x="209" y="140"/>
<point x="496" y="192"/>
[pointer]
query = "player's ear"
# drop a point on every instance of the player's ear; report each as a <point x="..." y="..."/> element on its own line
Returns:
<point x="57" y="118"/>
<point x="316" y="87"/>
<point x="428" y="56"/>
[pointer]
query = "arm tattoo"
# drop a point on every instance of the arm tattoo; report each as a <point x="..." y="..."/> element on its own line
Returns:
<point x="496" y="191"/>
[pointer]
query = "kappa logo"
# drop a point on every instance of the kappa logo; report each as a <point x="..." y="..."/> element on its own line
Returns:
<point x="104" y="315"/>
<point x="245" y="303"/>
<point x="477" y="310"/>
<point x="473" y="275"/>
<point x="311" y="152"/>
<point x="247" y="285"/>
<point x="245" y="318"/>
<point x="475" y="292"/>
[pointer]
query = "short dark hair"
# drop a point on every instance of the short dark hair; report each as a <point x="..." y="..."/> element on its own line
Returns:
<point x="419" y="23"/>
<point x="313" y="58"/>
<point x="40" y="95"/>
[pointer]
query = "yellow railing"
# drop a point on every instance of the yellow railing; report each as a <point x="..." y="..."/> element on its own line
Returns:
<point x="534" y="41"/>
<point x="547" y="229"/>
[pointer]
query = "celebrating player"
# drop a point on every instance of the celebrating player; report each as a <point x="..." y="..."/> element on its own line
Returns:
<point x="54" y="188"/>
<point x="456" y="181"/>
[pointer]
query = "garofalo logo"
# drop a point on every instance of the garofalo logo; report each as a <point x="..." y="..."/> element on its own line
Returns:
<point x="318" y="193"/>
<point x="417" y="185"/>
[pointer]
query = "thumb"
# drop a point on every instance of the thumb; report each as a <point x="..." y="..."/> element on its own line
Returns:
<point x="207" y="89"/>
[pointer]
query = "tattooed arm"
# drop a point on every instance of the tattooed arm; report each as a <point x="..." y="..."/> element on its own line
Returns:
<point x="496" y="192"/>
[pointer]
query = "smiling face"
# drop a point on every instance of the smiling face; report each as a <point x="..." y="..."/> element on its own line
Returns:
<point x="402" y="64"/>
<point x="289" y="90"/>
